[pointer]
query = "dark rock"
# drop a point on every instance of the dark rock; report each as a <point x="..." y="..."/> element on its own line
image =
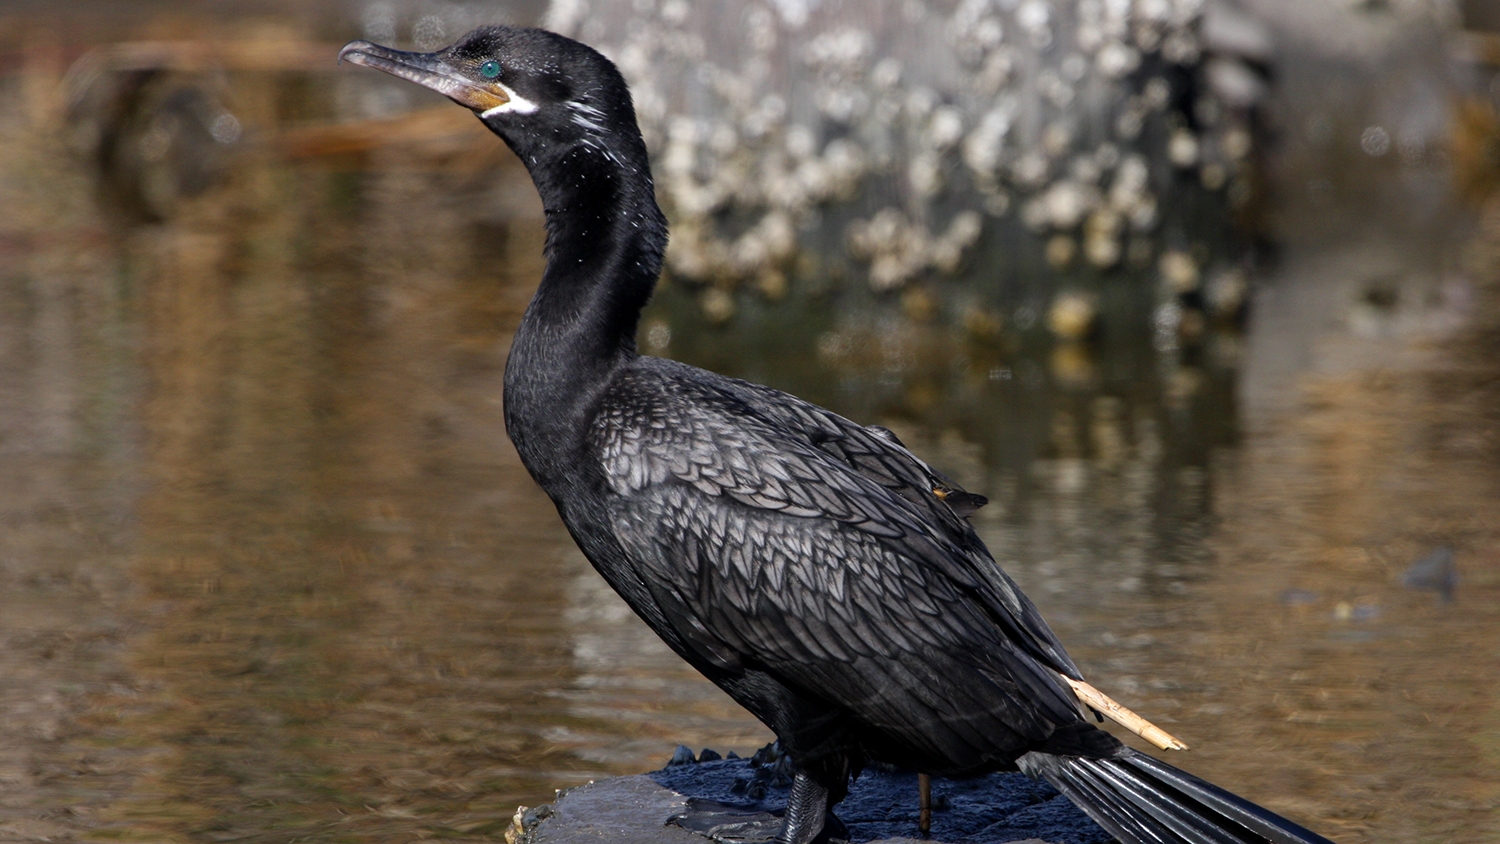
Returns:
<point x="766" y="755"/>
<point x="881" y="807"/>
<point x="681" y="756"/>
<point x="622" y="810"/>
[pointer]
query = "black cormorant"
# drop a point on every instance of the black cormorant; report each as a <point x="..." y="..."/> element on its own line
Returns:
<point x="812" y="567"/>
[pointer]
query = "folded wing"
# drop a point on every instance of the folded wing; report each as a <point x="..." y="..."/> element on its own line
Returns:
<point x="820" y="551"/>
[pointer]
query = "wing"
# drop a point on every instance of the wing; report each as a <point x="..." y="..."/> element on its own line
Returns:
<point x="874" y="452"/>
<point x="763" y="547"/>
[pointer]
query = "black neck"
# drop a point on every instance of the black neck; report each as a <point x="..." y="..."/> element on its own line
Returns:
<point x="605" y="239"/>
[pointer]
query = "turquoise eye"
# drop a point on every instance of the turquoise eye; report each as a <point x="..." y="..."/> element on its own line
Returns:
<point x="490" y="69"/>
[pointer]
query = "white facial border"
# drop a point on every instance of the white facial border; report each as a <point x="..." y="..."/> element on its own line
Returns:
<point x="514" y="104"/>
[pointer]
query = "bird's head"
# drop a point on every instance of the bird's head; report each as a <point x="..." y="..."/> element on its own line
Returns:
<point x="531" y="87"/>
<point x="566" y="112"/>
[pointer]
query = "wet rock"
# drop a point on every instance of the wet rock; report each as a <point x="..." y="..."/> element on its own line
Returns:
<point x="881" y="807"/>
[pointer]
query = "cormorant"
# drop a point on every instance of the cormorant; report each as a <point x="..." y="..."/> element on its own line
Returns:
<point x="813" y="568"/>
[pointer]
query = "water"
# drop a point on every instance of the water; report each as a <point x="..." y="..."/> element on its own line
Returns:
<point x="270" y="571"/>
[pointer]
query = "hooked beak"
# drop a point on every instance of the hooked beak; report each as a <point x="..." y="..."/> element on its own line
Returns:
<point x="428" y="70"/>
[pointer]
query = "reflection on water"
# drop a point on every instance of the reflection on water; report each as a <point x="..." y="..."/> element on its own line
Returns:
<point x="270" y="570"/>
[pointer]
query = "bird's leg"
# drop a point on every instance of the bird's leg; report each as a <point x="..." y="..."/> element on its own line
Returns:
<point x="924" y="804"/>
<point x="805" y="810"/>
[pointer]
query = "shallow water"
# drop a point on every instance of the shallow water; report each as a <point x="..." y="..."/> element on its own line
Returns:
<point x="270" y="570"/>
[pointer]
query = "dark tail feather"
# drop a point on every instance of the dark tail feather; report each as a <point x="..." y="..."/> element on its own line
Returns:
<point x="1142" y="800"/>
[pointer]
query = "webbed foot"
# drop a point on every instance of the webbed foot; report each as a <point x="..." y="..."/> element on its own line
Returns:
<point x="732" y="824"/>
<point x="726" y="823"/>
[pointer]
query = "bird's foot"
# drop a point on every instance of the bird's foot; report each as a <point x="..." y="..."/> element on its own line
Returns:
<point x="745" y="825"/>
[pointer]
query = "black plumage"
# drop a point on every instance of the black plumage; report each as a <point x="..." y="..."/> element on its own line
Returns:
<point x="813" y="568"/>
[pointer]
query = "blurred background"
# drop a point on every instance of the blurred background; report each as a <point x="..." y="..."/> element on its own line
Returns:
<point x="1201" y="294"/>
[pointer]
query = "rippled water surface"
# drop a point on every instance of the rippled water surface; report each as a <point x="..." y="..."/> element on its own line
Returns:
<point x="270" y="570"/>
